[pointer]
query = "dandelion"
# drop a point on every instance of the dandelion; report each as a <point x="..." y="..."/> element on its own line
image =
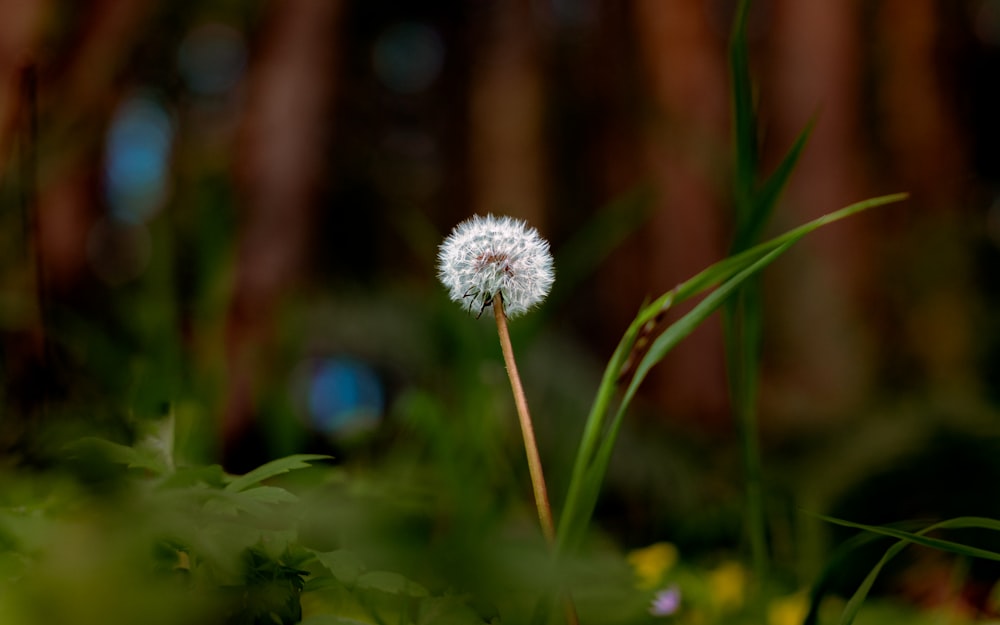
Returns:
<point x="666" y="602"/>
<point x="487" y="257"/>
<point x="501" y="263"/>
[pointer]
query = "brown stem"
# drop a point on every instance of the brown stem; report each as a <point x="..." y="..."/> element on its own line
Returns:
<point x="527" y="430"/>
<point x="530" y="447"/>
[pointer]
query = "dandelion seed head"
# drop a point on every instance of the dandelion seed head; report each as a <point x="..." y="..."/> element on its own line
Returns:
<point x="488" y="256"/>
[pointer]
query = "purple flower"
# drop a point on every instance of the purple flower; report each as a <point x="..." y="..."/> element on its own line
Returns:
<point x="666" y="602"/>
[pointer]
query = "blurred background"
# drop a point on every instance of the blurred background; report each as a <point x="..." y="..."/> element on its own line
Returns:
<point x="224" y="215"/>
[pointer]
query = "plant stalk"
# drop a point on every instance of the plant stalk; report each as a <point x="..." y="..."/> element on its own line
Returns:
<point x="743" y="330"/>
<point x="530" y="446"/>
<point x="527" y="430"/>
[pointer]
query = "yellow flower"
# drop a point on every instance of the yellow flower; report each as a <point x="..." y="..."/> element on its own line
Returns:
<point x="650" y="563"/>
<point x="727" y="584"/>
<point x="790" y="610"/>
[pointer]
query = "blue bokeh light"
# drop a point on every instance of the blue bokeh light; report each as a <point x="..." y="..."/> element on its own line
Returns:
<point x="137" y="159"/>
<point x="343" y="396"/>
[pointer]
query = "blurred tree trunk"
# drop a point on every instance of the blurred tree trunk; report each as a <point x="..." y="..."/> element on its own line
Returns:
<point x="682" y="148"/>
<point x="818" y="347"/>
<point x="507" y="151"/>
<point x="52" y="105"/>
<point x="24" y="347"/>
<point x="915" y="109"/>
<point x="927" y="154"/>
<point x="280" y="168"/>
<point x="20" y="31"/>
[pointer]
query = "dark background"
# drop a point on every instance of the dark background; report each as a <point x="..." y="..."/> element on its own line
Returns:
<point x="228" y="213"/>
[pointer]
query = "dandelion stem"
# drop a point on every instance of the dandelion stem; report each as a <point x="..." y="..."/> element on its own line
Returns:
<point x="530" y="446"/>
<point x="527" y="430"/>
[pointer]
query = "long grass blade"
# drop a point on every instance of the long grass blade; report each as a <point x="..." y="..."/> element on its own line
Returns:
<point x="577" y="508"/>
<point x="935" y="543"/>
<point x="766" y="197"/>
<point x="585" y="499"/>
<point x="904" y="540"/>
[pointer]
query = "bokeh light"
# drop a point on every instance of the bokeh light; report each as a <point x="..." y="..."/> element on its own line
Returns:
<point x="339" y="396"/>
<point x="212" y="58"/>
<point x="408" y="57"/>
<point x="137" y="159"/>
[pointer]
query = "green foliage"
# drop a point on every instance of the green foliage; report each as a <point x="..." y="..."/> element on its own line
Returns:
<point x="271" y="469"/>
<point x="743" y="318"/>
<point x="211" y="547"/>
<point x="904" y="539"/>
<point x="645" y="342"/>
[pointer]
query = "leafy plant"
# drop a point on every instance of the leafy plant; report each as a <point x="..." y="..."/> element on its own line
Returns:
<point x="905" y="539"/>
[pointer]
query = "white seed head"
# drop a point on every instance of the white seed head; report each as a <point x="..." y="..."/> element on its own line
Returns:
<point x="488" y="256"/>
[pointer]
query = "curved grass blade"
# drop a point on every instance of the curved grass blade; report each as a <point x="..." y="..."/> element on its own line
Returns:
<point x="575" y="520"/>
<point x="766" y="197"/>
<point x="935" y="543"/>
<point x="587" y="471"/>
<point x="825" y="579"/>
<point x="907" y="538"/>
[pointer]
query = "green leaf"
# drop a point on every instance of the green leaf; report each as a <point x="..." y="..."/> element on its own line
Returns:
<point x="343" y="564"/>
<point x="448" y="610"/>
<point x="117" y="453"/>
<point x="329" y="619"/>
<point x="273" y="468"/>
<point x="319" y="582"/>
<point x="392" y="583"/>
<point x="269" y="495"/>
<point x="211" y="476"/>
<point x="259" y="501"/>
<point x="226" y="504"/>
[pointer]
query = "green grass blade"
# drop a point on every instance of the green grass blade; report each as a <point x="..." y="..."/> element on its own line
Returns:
<point x="743" y="327"/>
<point x="857" y="599"/>
<point x="721" y="270"/>
<point x="596" y="420"/>
<point x="592" y="433"/>
<point x="935" y="543"/>
<point x="576" y="506"/>
<point x="686" y="324"/>
<point x="907" y="538"/>
<point x="766" y="197"/>
<point x="826" y="578"/>
<point x="579" y="508"/>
